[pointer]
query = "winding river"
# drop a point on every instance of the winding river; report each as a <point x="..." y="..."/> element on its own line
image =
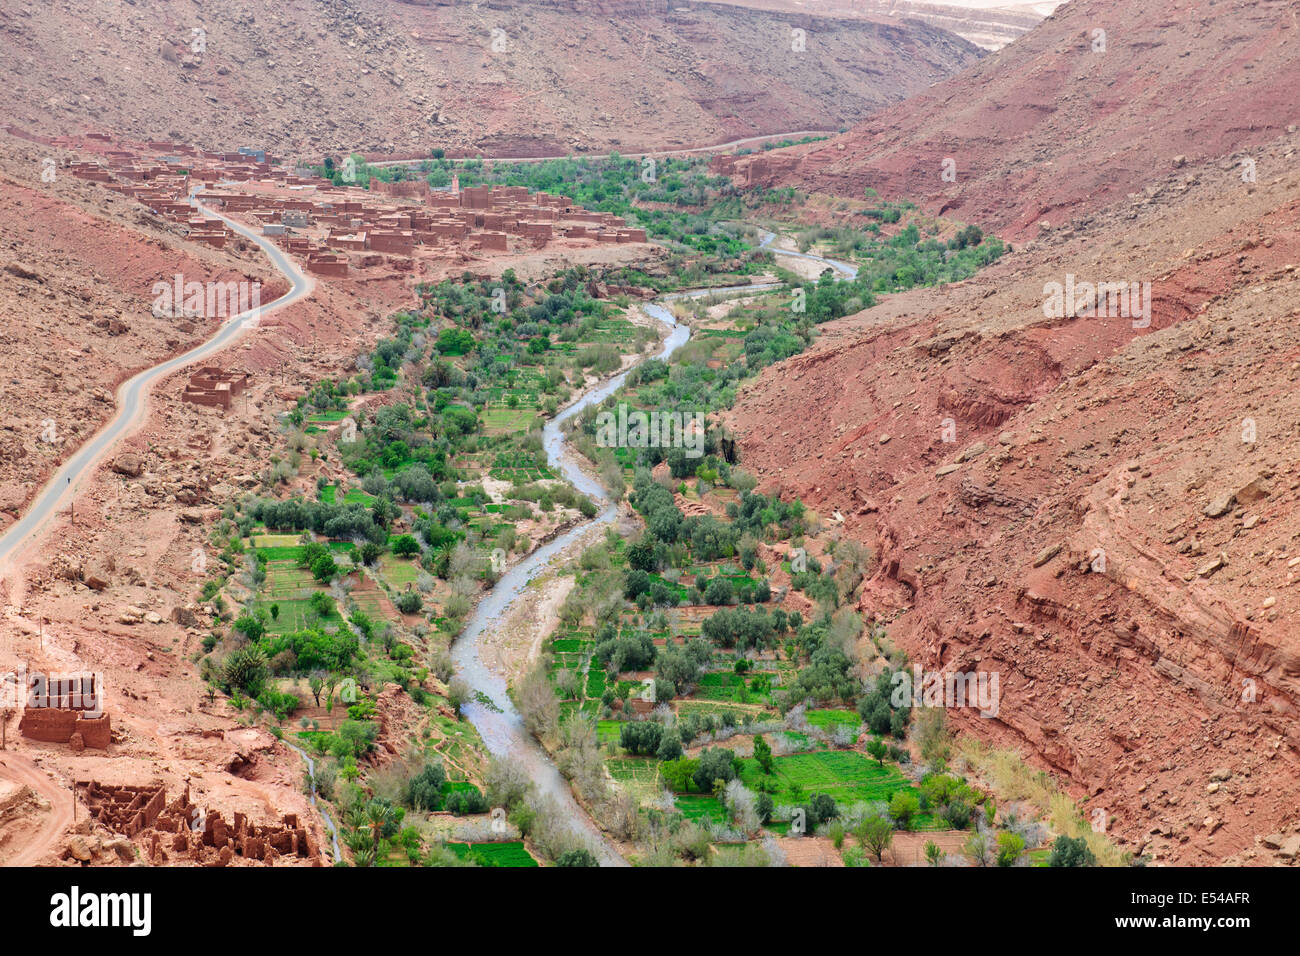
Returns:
<point x="501" y="726"/>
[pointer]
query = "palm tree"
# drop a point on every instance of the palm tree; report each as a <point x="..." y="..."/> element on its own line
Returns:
<point x="378" y="816"/>
<point x="442" y="559"/>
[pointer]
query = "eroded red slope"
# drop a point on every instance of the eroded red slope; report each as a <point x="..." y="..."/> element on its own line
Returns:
<point x="1162" y="686"/>
<point x="1058" y="124"/>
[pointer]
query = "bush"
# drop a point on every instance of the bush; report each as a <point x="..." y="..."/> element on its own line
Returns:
<point x="424" y="790"/>
<point x="282" y="705"/>
<point x="577" y="858"/>
<point x="354" y="738"/>
<point x="1069" y="851"/>
<point x="903" y="806"/>
<point x="461" y="802"/>
<point x="245" y="671"/>
<point x="409" y="602"/>
<point x="1010" y="848"/>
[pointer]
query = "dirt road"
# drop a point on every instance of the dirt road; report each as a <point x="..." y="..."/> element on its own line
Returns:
<point x="30" y="844"/>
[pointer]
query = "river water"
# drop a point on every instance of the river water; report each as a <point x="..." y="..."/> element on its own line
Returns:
<point x="502" y="727"/>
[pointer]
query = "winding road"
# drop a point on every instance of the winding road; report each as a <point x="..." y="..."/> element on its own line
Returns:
<point x="133" y="398"/>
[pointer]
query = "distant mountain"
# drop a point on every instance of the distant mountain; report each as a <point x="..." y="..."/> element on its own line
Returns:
<point x="513" y="77"/>
<point x="1074" y="115"/>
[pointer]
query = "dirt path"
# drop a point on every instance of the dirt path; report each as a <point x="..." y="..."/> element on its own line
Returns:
<point x="35" y="843"/>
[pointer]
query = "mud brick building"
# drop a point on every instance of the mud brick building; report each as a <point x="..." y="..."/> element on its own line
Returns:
<point x="328" y="264"/>
<point x="182" y="831"/>
<point x="211" y="386"/>
<point x="65" y="717"/>
<point x="58" y="726"/>
<point x="395" y="219"/>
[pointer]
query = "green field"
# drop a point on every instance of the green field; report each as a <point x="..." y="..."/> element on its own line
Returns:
<point x="398" y="572"/>
<point x="701" y="807"/>
<point x="634" y="769"/>
<point x="830" y="719"/>
<point x="495" y="854"/>
<point x="845" y="775"/>
<point x="353" y="496"/>
<point x="263" y="541"/>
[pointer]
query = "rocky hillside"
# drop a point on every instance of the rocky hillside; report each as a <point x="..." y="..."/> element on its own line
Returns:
<point x="77" y="268"/>
<point x="1075" y="115"/>
<point x="1103" y="513"/>
<point x="309" y="76"/>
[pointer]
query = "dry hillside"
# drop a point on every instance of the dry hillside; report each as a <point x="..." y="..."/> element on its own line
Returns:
<point x="307" y="76"/>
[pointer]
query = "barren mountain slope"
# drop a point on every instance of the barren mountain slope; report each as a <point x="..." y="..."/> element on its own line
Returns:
<point x="308" y="76"/>
<point x="77" y="269"/>
<point x="1068" y="119"/>
<point x="1115" y="528"/>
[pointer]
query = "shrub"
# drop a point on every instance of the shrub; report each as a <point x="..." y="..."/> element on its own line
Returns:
<point x="577" y="858"/>
<point x="424" y="790"/>
<point x="1069" y="851"/>
<point x="409" y="602"/>
<point x="1010" y="848"/>
<point x="245" y="671"/>
<point x="903" y="806"/>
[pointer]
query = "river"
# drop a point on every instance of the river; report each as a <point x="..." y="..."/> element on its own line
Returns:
<point x="502" y="727"/>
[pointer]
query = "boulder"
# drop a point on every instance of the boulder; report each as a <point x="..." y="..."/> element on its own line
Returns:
<point x="98" y="575"/>
<point x="79" y="849"/>
<point x="1047" y="554"/>
<point x="1220" y="506"/>
<point x="129" y="464"/>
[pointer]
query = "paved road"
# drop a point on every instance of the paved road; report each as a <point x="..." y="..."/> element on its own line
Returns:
<point x="720" y="148"/>
<point x="133" y="395"/>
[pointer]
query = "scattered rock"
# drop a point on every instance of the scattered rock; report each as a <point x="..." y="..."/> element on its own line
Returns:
<point x="1211" y="567"/>
<point x="79" y="849"/>
<point x="23" y="271"/>
<point x="1047" y="554"/>
<point x="1220" y="506"/>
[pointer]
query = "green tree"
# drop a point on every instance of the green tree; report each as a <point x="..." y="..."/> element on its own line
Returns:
<point x="323" y="568"/>
<point x="716" y="763"/>
<point x="251" y="627"/>
<point x="903" y="806"/>
<point x="875" y="834"/>
<point x="1071" y="851"/>
<point x="1010" y="848"/>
